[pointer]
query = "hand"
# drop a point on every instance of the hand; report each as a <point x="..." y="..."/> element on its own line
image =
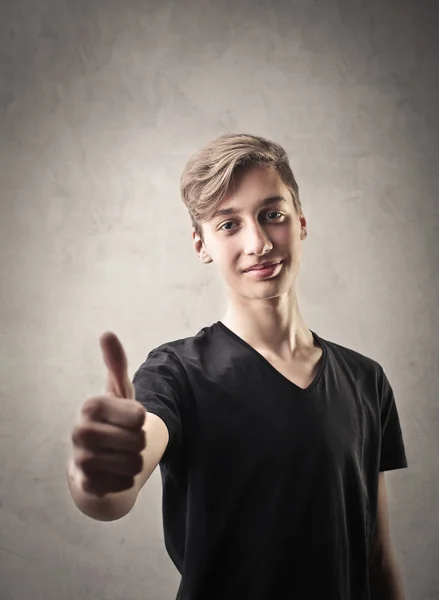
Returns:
<point x="108" y="437"/>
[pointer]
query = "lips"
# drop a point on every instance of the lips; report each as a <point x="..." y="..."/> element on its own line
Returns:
<point x="262" y="266"/>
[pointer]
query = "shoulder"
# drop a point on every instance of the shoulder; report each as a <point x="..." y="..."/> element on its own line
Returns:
<point x="350" y="360"/>
<point x="174" y="355"/>
<point x="183" y="348"/>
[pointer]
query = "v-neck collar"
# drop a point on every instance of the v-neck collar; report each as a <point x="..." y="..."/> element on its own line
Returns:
<point x="321" y="363"/>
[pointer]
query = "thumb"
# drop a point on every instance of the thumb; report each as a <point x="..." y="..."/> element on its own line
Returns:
<point x="118" y="382"/>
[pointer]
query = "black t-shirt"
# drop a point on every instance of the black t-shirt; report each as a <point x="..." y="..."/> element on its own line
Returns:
<point x="269" y="490"/>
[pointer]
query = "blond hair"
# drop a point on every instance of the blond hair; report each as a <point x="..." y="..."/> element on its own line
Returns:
<point x="208" y="173"/>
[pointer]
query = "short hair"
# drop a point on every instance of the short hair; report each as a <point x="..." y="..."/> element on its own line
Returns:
<point x="207" y="176"/>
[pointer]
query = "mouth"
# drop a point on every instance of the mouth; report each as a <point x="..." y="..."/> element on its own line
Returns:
<point x="265" y="271"/>
<point x="263" y="266"/>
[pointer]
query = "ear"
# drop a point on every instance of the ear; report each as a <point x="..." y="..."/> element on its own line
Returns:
<point x="303" y="229"/>
<point x="200" y="248"/>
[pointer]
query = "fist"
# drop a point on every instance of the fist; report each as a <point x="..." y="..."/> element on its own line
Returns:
<point x="108" y="437"/>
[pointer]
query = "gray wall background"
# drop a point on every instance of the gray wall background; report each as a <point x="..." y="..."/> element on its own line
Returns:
<point x="101" y="105"/>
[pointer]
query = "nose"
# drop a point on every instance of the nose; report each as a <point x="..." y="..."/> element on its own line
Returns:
<point x="256" y="241"/>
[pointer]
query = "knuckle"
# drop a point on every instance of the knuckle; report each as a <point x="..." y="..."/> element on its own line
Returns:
<point x="129" y="482"/>
<point x="86" y="435"/>
<point x="92" y="407"/>
<point x="140" y="414"/>
<point x="138" y="442"/>
<point x="88" y="485"/>
<point x="124" y="482"/>
<point x="78" y="435"/>
<point x="75" y="435"/>
<point x="85" y="459"/>
<point x="137" y="464"/>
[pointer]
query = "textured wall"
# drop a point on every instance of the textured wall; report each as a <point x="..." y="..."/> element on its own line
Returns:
<point x="101" y="103"/>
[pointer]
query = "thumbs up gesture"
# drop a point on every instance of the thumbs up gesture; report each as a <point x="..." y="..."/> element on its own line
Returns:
<point x="108" y="437"/>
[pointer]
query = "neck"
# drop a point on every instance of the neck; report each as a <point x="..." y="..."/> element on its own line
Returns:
<point x="275" y="326"/>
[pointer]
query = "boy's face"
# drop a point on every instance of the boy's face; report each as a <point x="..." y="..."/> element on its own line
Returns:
<point x="246" y="231"/>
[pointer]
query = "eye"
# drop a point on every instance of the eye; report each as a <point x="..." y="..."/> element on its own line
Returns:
<point x="274" y="212"/>
<point x="228" y="226"/>
<point x="223" y="226"/>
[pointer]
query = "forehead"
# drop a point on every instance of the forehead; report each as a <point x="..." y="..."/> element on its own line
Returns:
<point x="254" y="186"/>
<point x="255" y="182"/>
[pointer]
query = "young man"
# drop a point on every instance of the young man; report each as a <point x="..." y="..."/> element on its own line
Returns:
<point x="272" y="441"/>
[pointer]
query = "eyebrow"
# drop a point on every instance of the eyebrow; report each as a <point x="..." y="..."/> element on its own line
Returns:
<point x="235" y="211"/>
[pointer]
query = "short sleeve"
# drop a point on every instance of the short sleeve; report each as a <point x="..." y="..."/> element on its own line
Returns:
<point x="393" y="455"/>
<point x="159" y="384"/>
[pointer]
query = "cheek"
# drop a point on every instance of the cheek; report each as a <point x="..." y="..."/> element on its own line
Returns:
<point x="284" y="236"/>
<point x="227" y="257"/>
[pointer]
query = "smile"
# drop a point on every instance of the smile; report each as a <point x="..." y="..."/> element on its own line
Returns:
<point x="265" y="271"/>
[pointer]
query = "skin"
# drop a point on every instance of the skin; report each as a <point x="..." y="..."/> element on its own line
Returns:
<point x="265" y="313"/>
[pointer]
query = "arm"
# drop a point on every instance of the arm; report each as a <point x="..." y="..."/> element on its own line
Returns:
<point x="384" y="575"/>
<point x="116" y="505"/>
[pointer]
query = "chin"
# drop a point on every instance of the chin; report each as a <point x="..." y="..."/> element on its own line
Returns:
<point x="265" y="291"/>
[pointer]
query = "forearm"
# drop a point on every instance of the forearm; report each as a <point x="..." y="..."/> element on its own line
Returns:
<point x="108" y="508"/>
<point x="385" y="578"/>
